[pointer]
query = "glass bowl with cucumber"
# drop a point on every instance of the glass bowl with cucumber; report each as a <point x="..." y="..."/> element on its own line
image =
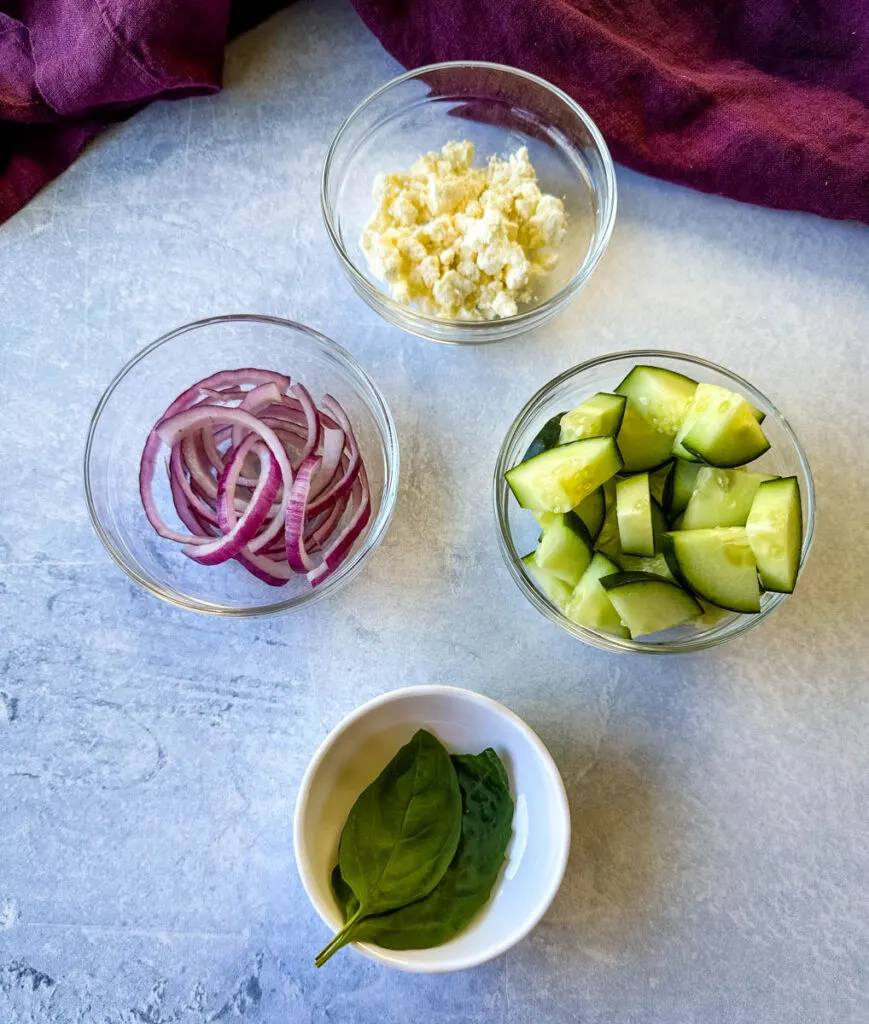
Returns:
<point x="654" y="502"/>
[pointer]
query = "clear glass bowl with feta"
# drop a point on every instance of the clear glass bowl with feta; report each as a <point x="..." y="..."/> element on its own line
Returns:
<point x="416" y="154"/>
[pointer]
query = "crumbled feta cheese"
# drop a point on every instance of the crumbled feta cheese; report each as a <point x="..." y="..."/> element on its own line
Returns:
<point x="463" y="242"/>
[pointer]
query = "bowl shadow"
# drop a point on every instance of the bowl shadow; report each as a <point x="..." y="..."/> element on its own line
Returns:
<point x="615" y="871"/>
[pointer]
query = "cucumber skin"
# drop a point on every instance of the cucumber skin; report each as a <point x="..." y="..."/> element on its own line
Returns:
<point x="724" y="463"/>
<point x="612" y="584"/>
<point x="679" y="486"/>
<point x="547" y="437"/>
<point x="710" y="432"/>
<point x="668" y="547"/>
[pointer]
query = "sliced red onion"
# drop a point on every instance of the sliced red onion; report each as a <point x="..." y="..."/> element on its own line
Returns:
<point x="178" y="478"/>
<point x="333" y="449"/>
<point x="256" y="567"/>
<point x="341" y="486"/>
<point x="323" y="530"/>
<point x="233" y="484"/>
<point x="245" y="529"/>
<point x="297" y="556"/>
<point x="254" y="402"/>
<point x="334" y="554"/>
<point x="312" y="418"/>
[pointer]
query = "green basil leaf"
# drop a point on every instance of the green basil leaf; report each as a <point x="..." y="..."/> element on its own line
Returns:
<point x="487" y="824"/>
<point x="401" y="834"/>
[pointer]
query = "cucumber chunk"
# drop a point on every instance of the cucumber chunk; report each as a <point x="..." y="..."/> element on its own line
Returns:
<point x="679" y="487"/>
<point x="658" y="482"/>
<point x="717" y="565"/>
<point x="607" y="541"/>
<point x="657" y="565"/>
<point x="720" y="429"/>
<point x="775" y="533"/>
<point x="591" y="511"/>
<point x="558" y="479"/>
<point x="547" y="437"/>
<point x="657" y="401"/>
<point x="558" y="592"/>
<point x="722" y="497"/>
<point x="598" y="416"/>
<point x="589" y="604"/>
<point x="634" y="514"/>
<point x="646" y="603"/>
<point x="565" y="548"/>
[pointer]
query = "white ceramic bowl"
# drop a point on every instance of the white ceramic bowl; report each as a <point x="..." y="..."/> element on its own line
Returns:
<point x="355" y="752"/>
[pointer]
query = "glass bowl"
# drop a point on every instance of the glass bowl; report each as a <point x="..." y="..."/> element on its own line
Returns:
<point x="517" y="529"/>
<point x="499" y="109"/>
<point x="137" y="397"/>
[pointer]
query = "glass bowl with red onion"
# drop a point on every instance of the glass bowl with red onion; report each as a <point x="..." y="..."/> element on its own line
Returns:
<point x="241" y="465"/>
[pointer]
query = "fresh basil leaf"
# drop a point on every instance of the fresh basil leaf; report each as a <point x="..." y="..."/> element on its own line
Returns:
<point x="487" y="824"/>
<point x="401" y="834"/>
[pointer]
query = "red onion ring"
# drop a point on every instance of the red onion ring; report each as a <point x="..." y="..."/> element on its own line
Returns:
<point x="297" y="556"/>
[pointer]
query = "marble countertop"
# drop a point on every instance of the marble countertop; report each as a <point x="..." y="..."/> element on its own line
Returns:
<point x="149" y="758"/>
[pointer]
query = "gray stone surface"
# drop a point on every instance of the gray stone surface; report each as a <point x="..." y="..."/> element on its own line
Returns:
<point x="149" y="759"/>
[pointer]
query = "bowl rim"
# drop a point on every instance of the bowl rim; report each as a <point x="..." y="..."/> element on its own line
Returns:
<point x="561" y="808"/>
<point x="702" y="639"/>
<point x="422" y="324"/>
<point x="361" y="383"/>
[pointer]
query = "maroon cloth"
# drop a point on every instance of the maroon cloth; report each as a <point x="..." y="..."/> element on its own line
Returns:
<point x="766" y="101"/>
<point x="68" y="68"/>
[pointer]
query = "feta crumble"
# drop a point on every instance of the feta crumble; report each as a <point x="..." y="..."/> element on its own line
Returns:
<point x="463" y="242"/>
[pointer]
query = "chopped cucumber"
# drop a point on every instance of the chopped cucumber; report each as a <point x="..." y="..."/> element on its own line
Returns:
<point x="596" y="417"/>
<point x="609" y="491"/>
<point x="556" y="590"/>
<point x="722" y="497"/>
<point x="658" y="482"/>
<point x="590" y="606"/>
<point x="720" y="429"/>
<point x="717" y="565"/>
<point x="775" y="533"/>
<point x="607" y="541"/>
<point x="591" y="511"/>
<point x="647" y="603"/>
<point x="657" y="401"/>
<point x="634" y="513"/>
<point x="547" y="437"/>
<point x="657" y="565"/>
<point x="680" y="487"/>
<point x="558" y="479"/>
<point x="712" y="615"/>
<point x="565" y="548"/>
